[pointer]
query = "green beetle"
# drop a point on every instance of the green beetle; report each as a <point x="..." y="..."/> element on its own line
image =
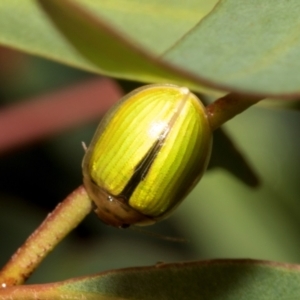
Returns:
<point x="147" y="154"/>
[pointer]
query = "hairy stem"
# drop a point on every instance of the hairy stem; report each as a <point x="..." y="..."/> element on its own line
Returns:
<point x="65" y="217"/>
<point x="225" y="108"/>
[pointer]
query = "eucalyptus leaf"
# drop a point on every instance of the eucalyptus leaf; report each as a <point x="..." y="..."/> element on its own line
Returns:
<point x="109" y="50"/>
<point x="280" y="104"/>
<point x="155" y="25"/>
<point x="25" y="27"/>
<point x="245" y="46"/>
<point x="242" y="46"/>
<point x="215" y="279"/>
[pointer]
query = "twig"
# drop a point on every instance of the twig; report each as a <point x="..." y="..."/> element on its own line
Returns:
<point x="66" y="216"/>
<point x="227" y="107"/>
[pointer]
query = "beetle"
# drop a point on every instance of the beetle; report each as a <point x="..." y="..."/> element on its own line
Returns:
<point x="147" y="154"/>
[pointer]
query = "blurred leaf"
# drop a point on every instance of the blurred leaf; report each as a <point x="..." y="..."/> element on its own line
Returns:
<point x="281" y="104"/>
<point x="262" y="61"/>
<point x="155" y="25"/>
<point x="216" y="279"/>
<point x="71" y="106"/>
<point x="245" y="46"/>
<point x="108" y="50"/>
<point x="225" y="154"/>
<point x="24" y="26"/>
<point x="260" y="64"/>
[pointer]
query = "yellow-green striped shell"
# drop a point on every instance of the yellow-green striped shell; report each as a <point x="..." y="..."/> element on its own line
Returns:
<point x="147" y="154"/>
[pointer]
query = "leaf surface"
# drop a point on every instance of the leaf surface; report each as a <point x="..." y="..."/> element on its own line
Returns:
<point x="246" y="46"/>
<point x="216" y="279"/>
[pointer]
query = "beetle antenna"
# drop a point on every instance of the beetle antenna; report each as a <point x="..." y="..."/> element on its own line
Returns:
<point x="84" y="146"/>
<point x="159" y="236"/>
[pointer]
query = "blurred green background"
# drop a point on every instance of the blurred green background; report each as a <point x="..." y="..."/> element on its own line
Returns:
<point x="222" y="217"/>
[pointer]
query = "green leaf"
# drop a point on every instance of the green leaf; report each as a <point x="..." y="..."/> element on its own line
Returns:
<point x="155" y="25"/>
<point x="108" y="50"/>
<point x="215" y="279"/>
<point x="280" y="104"/>
<point x="245" y="46"/>
<point x="26" y="27"/>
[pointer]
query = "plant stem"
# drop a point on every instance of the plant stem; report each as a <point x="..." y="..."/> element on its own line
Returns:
<point x="68" y="214"/>
<point x="65" y="217"/>
<point x="225" y="108"/>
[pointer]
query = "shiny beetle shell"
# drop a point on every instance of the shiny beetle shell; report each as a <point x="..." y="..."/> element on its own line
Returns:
<point x="147" y="154"/>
